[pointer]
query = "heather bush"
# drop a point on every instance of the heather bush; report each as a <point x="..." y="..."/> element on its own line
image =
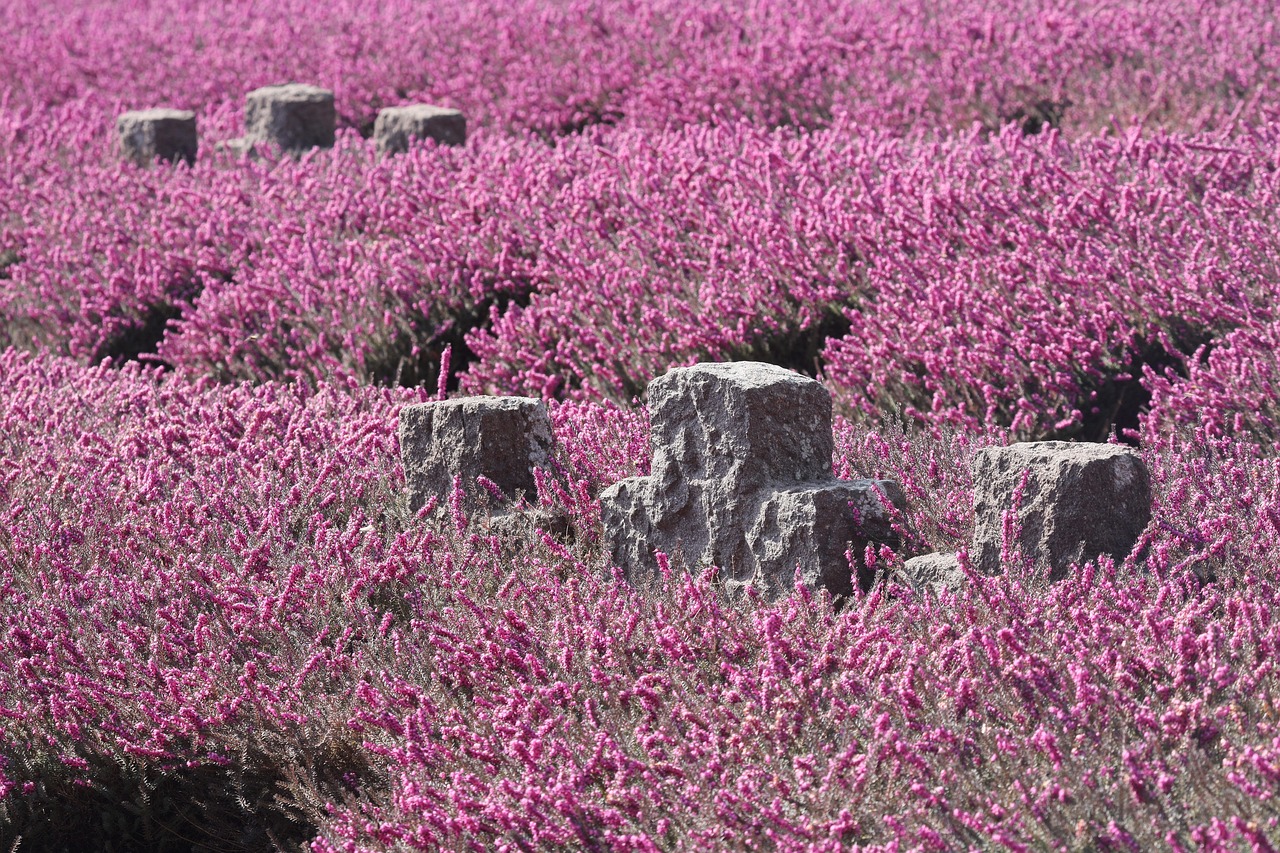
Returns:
<point x="157" y="541"/>
<point x="679" y="722"/>
<point x="324" y="268"/>
<point x="218" y="613"/>
<point x="1025" y="281"/>
<point x="1229" y="390"/>
<point x="221" y="628"/>
<point x="555" y="68"/>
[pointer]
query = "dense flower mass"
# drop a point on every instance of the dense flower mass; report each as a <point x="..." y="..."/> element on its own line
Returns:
<point x="221" y="626"/>
<point x="553" y="67"/>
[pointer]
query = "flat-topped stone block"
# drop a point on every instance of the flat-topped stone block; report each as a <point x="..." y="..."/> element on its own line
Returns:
<point x="744" y="423"/>
<point x="397" y="127"/>
<point x="500" y="438"/>
<point x="292" y="116"/>
<point x="157" y="134"/>
<point x="741" y="479"/>
<point x="1080" y="501"/>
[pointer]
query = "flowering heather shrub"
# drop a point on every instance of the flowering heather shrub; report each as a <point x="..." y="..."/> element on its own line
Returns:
<point x="325" y="267"/>
<point x="1230" y="390"/>
<point x="221" y="628"/>
<point x="214" y="593"/>
<point x="556" y="67"/>
<point x="1016" y="280"/>
<point x="178" y="600"/>
<point x="1100" y="714"/>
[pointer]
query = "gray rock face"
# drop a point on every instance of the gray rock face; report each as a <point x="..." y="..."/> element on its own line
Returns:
<point x="936" y="571"/>
<point x="1080" y="501"/>
<point x="501" y="438"/>
<point x="396" y="127"/>
<point x="294" y="117"/>
<point x="241" y="147"/>
<point x="741" y="479"/>
<point x="147" y="135"/>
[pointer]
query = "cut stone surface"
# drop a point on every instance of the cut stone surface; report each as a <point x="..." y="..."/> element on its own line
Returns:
<point x="1080" y="501"/>
<point x="294" y="117"/>
<point x="501" y="438"/>
<point x="148" y="135"/>
<point x="396" y="127"/>
<point x="745" y="423"/>
<point x="937" y="571"/>
<point x="518" y="527"/>
<point x="240" y="146"/>
<point x="741" y="479"/>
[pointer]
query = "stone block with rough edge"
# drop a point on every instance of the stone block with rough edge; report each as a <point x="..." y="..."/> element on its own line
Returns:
<point x="397" y="127"/>
<point x="933" y="571"/>
<point x="159" y="134"/>
<point x="500" y="438"/>
<point x="1080" y="501"/>
<point x="741" y="479"/>
<point x="746" y="424"/>
<point x="293" y="117"/>
<point x="240" y="147"/>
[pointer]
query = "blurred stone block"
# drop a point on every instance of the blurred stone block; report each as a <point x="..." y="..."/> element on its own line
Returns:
<point x="397" y="127"/>
<point x="1080" y="501"/>
<point x="741" y="479"/>
<point x="293" y="117"/>
<point x="148" y="135"/>
<point x="500" y="438"/>
<point x="240" y="146"/>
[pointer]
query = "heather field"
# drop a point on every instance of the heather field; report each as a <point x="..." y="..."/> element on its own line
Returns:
<point x="222" y="628"/>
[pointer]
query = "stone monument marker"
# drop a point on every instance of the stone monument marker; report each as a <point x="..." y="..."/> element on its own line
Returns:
<point x="741" y="479"/>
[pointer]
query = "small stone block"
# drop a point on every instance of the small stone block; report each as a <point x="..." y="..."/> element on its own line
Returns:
<point x="396" y="127"/>
<point x="934" y="571"/>
<point x="293" y="117"/>
<point x="148" y="135"/>
<point x="1080" y="501"/>
<point x="240" y="147"/>
<point x="501" y="438"/>
<point x="518" y="526"/>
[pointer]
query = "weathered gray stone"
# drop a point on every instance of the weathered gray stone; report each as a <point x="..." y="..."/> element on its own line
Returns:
<point x="1080" y="501"/>
<point x="293" y="117"/>
<point x="396" y="127"/>
<point x="148" y="135"/>
<point x="518" y="527"/>
<point x="241" y="146"/>
<point x="741" y="479"/>
<point x="745" y="424"/>
<point x="934" y="571"/>
<point x="500" y="438"/>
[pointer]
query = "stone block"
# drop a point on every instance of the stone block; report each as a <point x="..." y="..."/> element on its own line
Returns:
<point x="1080" y="501"/>
<point x="397" y="127"/>
<point x="148" y="135"/>
<point x="744" y="423"/>
<point x="517" y="528"/>
<point x="241" y="146"/>
<point x="741" y="479"/>
<point x="500" y="438"/>
<point x="933" y="571"/>
<point x="294" y="117"/>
